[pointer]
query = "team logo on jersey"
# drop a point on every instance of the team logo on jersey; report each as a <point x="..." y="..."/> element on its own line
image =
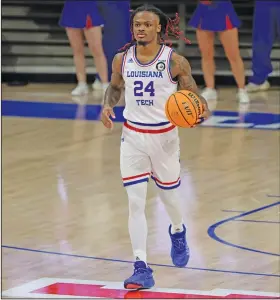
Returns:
<point x="160" y="66"/>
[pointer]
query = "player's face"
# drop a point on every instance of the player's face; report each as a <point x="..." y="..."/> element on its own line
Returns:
<point x="146" y="27"/>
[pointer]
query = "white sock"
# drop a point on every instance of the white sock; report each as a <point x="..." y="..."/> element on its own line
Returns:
<point x="137" y="223"/>
<point x="175" y="228"/>
<point x="140" y="255"/>
<point x="171" y="201"/>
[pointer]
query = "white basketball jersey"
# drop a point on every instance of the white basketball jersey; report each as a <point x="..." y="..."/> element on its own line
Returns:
<point x="147" y="86"/>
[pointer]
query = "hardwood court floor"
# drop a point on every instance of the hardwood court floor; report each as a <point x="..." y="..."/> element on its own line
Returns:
<point x="62" y="193"/>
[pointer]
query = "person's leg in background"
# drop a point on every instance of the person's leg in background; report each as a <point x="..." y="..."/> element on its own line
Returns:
<point x="73" y="19"/>
<point x="230" y="42"/>
<point x="205" y="37"/>
<point x="264" y="34"/>
<point x="79" y="18"/>
<point x="116" y="31"/>
<point x="76" y="39"/>
<point x="206" y="46"/>
<point x="94" y="36"/>
<point x="94" y="39"/>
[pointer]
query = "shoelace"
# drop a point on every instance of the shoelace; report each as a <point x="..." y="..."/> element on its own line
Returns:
<point x="179" y="244"/>
<point x="140" y="270"/>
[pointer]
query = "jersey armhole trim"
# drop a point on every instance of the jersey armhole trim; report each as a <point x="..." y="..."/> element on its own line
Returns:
<point x="169" y="67"/>
<point x="123" y="62"/>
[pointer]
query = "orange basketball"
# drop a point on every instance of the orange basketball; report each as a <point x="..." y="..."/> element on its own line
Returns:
<point x="183" y="108"/>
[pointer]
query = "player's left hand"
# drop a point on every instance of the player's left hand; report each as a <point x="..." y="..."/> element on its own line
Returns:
<point x="205" y="115"/>
<point x="107" y="112"/>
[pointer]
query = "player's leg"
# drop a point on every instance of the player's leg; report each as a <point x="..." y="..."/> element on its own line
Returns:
<point x="135" y="170"/>
<point x="166" y="174"/>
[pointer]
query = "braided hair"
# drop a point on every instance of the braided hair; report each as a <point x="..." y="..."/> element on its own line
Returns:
<point x="168" y="26"/>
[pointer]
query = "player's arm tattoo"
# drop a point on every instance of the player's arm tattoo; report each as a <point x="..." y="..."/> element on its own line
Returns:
<point x="116" y="87"/>
<point x="113" y="94"/>
<point x="184" y="74"/>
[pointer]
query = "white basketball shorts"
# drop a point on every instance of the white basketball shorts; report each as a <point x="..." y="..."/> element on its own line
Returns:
<point x="150" y="151"/>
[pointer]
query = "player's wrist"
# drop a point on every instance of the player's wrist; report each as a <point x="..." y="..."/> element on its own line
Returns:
<point x="107" y="106"/>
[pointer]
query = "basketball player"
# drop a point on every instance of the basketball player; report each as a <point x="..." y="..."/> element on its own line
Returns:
<point x="150" y="72"/>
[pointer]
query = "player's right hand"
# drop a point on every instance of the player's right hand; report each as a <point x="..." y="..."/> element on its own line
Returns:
<point x="107" y="112"/>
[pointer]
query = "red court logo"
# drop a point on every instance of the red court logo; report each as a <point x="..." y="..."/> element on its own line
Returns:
<point x="70" y="288"/>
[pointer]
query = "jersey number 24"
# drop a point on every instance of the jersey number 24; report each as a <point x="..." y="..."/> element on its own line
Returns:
<point x="139" y="87"/>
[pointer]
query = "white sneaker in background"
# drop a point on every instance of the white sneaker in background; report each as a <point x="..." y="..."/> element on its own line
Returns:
<point x="209" y="94"/>
<point x="81" y="89"/>
<point x="97" y="85"/>
<point x="243" y="96"/>
<point x="252" y="87"/>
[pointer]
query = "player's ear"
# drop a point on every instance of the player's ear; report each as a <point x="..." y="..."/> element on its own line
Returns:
<point x="158" y="28"/>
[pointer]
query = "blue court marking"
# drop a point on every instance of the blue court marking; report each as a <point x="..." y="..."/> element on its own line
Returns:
<point x="131" y="262"/>
<point x="68" y="111"/>
<point x="55" y="110"/>
<point x="213" y="235"/>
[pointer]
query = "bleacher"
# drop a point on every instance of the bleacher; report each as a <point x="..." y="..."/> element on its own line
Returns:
<point x="35" y="48"/>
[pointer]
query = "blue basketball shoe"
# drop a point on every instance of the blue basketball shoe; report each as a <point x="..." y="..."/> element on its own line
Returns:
<point x="179" y="248"/>
<point x="142" y="277"/>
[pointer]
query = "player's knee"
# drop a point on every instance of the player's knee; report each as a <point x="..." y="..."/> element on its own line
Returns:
<point x="136" y="206"/>
<point x="136" y="198"/>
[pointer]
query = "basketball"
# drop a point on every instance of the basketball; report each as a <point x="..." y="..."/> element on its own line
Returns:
<point x="183" y="108"/>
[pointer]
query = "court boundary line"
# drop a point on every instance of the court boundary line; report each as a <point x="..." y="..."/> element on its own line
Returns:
<point x="132" y="262"/>
<point x="211" y="230"/>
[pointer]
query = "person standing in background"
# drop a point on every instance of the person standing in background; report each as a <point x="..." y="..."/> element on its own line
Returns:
<point x="116" y="15"/>
<point x="266" y="29"/>
<point x="82" y="18"/>
<point x="219" y="16"/>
